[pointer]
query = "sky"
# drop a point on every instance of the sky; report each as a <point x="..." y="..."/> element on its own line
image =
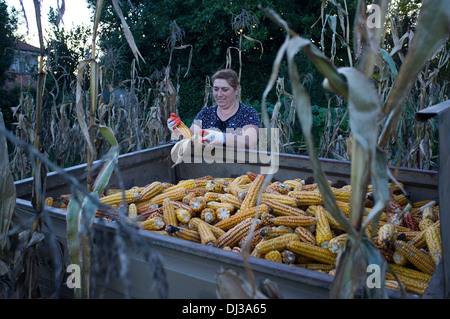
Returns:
<point x="76" y="13"/>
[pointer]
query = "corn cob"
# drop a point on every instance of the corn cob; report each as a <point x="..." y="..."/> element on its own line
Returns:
<point x="409" y="272"/>
<point x="222" y="214"/>
<point x="310" y="187"/>
<point x="428" y="213"/>
<point x="282" y="209"/>
<point x="278" y="243"/>
<point x="280" y="187"/>
<point x="195" y="221"/>
<point x="285" y="199"/>
<point x="289" y="257"/>
<point x="215" y="186"/>
<point x="425" y="223"/>
<point x="49" y="201"/>
<point x="256" y="238"/>
<point x="337" y="243"/>
<point x="184" y="233"/>
<point x="305" y="235"/>
<point x="323" y="229"/>
<point x="169" y="215"/>
<point x="274" y="255"/>
<point x="317" y="253"/>
<point x="341" y="195"/>
<point x="253" y="192"/>
<point x="212" y="197"/>
<point x="197" y="204"/>
<point x="235" y="234"/>
<point x="433" y="239"/>
<point x="238" y="217"/>
<point x="111" y="191"/>
<point x="252" y="176"/>
<point x="418" y="258"/>
<point x="174" y="195"/>
<point x="184" y="130"/>
<point x="399" y="259"/>
<point x="294" y="221"/>
<point x="401" y="199"/>
<point x="344" y="207"/>
<point x="417" y="287"/>
<point x="392" y="284"/>
<point x="153" y="223"/>
<point x="147" y="213"/>
<point x="419" y="240"/>
<point x="197" y="191"/>
<point x="208" y="215"/>
<point x="186" y="199"/>
<point x="413" y="280"/>
<point x="275" y="231"/>
<point x="183" y="216"/>
<point x="187" y="184"/>
<point x="206" y="235"/>
<point x="180" y="205"/>
<point x="410" y="222"/>
<point x="235" y="189"/>
<point x="217" y="205"/>
<point x="131" y="195"/>
<point x="132" y="210"/>
<point x="232" y="199"/>
<point x="307" y="198"/>
<point x="295" y="184"/>
<point x="151" y="190"/>
<point x="386" y="235"/>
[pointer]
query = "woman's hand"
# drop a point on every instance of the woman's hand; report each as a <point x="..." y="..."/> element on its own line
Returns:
<point x="213" y="137"/>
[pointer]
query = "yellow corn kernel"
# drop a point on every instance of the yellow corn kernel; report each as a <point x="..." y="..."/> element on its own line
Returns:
<point x="337" y="243"/>
<point x="216" y="205"/>
<point x="285" y="199"/>
<point x="169" y="215"/>
<point x="151" y="190"/>
<point x="174" y="195"/>
<point x="195" y="221"/>
<point x="187" y="184"/>
<point x="231" y="199"/>
<point x="186" y="199"/>
<point x="425" y="223"/>
<point x="184" y="233"/>
<point x="215" y="186"/>
<point x="386" y="235"/>
<point x="294" y="221"/>
<point x="184" y="130"/>
<point x="341" y="195"/>
<point x="275" y="231"/>
<point x="317" y="253"/>
<point x="418" y="258"/>
<point x="274" y="255"/>
<point x="433" y="239"/>
<point x="235" y="189"/>
<point x="278" y="243"/>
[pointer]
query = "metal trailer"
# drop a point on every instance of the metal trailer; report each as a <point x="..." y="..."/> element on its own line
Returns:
<point x="191" y="268"/>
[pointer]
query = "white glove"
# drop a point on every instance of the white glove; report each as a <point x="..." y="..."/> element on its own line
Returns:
<point x="213" y="137"/>
<point x="171" y="124"/>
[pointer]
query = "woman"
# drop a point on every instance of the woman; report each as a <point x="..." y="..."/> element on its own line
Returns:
<point x="228" y="122"/>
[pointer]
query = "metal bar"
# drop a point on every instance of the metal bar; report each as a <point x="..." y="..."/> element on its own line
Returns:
<point x="442" y="111"/>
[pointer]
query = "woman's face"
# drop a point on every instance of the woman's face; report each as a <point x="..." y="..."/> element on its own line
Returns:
<point x="224" y="94"/>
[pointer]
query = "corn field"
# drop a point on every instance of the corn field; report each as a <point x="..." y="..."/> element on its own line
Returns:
<point x="72" y="123"/>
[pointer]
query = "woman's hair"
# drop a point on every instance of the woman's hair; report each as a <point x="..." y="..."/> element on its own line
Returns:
<point x="228" y="75"/>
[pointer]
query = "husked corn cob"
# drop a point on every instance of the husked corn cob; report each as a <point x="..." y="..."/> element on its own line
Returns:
<point x="212" y="197"/>
<point x="153" y="223"/>
<point x="418" y="258"/>
<point x="223" y="214"/>
<point x="295" y="184"/>
<point x="208" y="215"/>
<point x="341" y="195"/>
<point x="217" y="205"/>
<point x="195" y="221"/>
<point x="132" y="210"/>
<point x="317" y="253"/>
<point x="413" y="280"/>
<point x="234" y="188"/>
<point x="392" y="284"/>
<point x="252" y="195"/>
<point x="232" y="199"/>
<point x="184" y="233"/>
<point x="344" y="207"/>
<point x="174" y="195"/>
<point x="184" y="130"/>
<point x="307" y="198"/>
<point x="282" y="209"/>
<point x="289" y="257"/>
<point x="433" y="239"/>
<point x="294" y="221"/>
<point x="274" y="255"/>
<point x="235" y="234"/>
<point x="280" y="187"/>
<point x="410" y="221"/>
<point x="186" y="199"/>
<point x="305" y="235"/>
<point x="425" y="223"/>
<point x="49" y="201"/>
<point x="338" y="242"/>
<point x="151" y="190"/>
<point x="131" y="195"/>
<point x="111" y="191"/>
<point x="169" y="215"/>
<point x="275" y="231"/>
<point x="386" y="235"/>
<point x="197" y="204"/>
<point x="409" y="272"/>
<point x="206" y="235"/>
<point x="399" y="259"/>
<point x="428" y="213"/>
<point x="197" y="191"/>
<point x="256" y="238"/>
<point x="278" y="243"/>
<point x="180" y="205"/>
<point x="187" y="184"/>
<point x="310" y="187"/>
<point x="215" y="186"/>
<point x="243" y="214"/>
<point x="183" y="215"/>
<point x="419" y="240"/>
<point x="323" y="229"/>
<point x="285" y="199"/>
